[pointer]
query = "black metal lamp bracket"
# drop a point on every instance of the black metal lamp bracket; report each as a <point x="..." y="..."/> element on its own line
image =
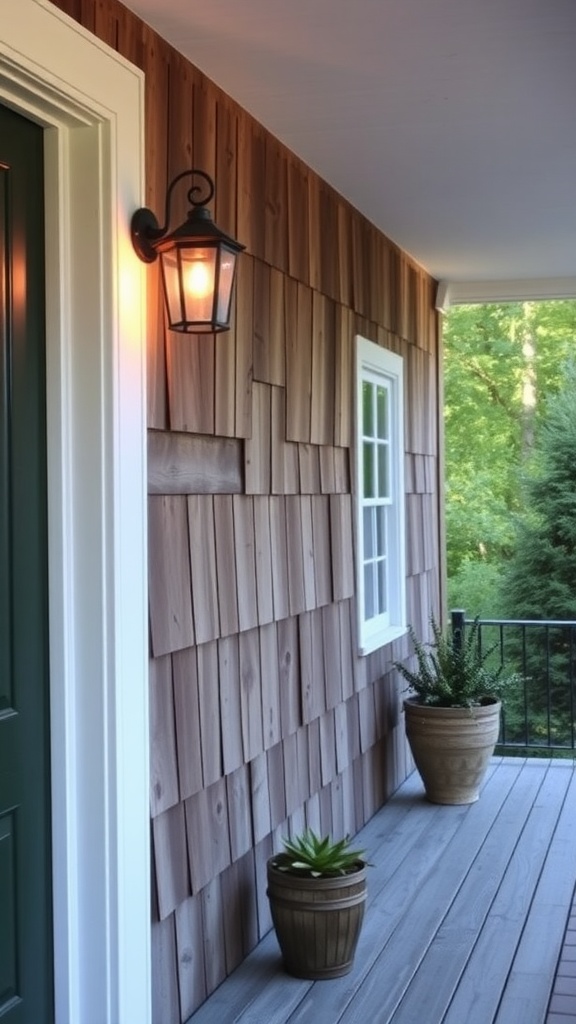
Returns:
<point x="144" y="228"/>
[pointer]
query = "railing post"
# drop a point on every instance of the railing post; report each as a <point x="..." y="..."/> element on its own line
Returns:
<point x="458" y="616"/>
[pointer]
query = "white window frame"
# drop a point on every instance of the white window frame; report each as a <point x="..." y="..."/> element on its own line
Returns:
<point x="374" y="363"/>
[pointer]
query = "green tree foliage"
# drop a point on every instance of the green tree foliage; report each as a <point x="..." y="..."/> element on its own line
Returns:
<point x="502" y="362"/>
<point x="539" y="579"/>
<point x="476" y="587"/>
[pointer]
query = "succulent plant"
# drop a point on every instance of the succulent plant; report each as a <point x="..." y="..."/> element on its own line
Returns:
<point x="309" y="855"/>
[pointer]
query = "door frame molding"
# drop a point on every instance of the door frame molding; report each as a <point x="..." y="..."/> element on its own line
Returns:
<point x="91" y="102"/>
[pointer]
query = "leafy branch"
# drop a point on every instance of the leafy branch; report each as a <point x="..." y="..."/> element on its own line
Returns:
<point x="455" y="675"/>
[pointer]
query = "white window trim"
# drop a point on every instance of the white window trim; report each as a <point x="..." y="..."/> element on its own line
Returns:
<point x="377" y="360"/>
<point x="91" y="102"/>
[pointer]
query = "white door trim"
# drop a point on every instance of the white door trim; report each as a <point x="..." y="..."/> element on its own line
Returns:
<point x="92" y="104"/>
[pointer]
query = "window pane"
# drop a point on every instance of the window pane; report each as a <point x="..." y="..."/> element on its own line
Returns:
<point x="369" y="470"/>
<point x="382" y="413"/>
<point x="382" y="596"/>
<point x="369" y="532"/>
<point x="367" y="409"/>
<point x="369" y="591"/>
<point x="380" y="531"/>
<point x="383" y="471"/>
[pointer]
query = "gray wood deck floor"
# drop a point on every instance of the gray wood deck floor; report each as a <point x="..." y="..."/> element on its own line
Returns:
<point x="466" y="914"/>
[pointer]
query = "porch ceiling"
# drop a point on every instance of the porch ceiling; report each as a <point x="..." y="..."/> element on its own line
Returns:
<point x="450" y="124"/>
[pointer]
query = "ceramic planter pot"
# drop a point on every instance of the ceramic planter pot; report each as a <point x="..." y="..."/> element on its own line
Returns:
<point x="452" y="747"/>
<point x="317" y="920"/>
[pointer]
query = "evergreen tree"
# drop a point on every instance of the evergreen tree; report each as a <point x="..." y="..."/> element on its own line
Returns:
<point x="502" y="364"/>
<point x="539" y="581"/>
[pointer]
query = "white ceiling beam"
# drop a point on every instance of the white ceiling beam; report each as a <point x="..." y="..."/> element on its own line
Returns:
<point x="458" y="293"/>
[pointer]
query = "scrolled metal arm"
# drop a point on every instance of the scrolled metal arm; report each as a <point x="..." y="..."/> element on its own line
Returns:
<point x="194" y="189"/>
<point x="145" y="230"/>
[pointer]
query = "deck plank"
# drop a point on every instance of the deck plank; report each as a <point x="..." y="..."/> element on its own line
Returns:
<point x="481" y="985"/>
<point x="530" y="982"/>
<point x="465" y="917"/>
<point x="403" y="858"/>
<point x="456" y="938"/>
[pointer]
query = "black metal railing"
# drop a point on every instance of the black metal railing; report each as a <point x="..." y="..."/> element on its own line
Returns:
<point x="540" y="708"/>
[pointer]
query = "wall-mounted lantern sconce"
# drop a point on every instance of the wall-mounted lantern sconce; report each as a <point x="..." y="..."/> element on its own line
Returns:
<point x="198" y="261"/>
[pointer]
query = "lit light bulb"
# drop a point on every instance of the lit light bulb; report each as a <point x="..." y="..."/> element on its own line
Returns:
<point x="198" y="280"/>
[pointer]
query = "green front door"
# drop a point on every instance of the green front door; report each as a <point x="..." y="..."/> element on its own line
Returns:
<point x="26" y="988"/>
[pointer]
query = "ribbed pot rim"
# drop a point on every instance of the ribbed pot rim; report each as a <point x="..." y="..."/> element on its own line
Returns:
<point x="492" y="704"/>
<point x="324" y="882"/>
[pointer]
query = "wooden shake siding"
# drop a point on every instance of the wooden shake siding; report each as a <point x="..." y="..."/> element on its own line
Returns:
<point x="263" y="717"/>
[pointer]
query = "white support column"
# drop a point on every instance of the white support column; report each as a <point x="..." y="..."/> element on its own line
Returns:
<point x="91" y="102"/>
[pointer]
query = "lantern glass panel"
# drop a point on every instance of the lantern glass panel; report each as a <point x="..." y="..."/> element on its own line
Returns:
<point x="171" y="276"/>
<point x="198" y="279"/>
<point x="225" y="282"/>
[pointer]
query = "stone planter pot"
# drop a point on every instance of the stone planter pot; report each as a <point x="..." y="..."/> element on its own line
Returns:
<point x="452" y="747"/>
<point x="317" y="920"/>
